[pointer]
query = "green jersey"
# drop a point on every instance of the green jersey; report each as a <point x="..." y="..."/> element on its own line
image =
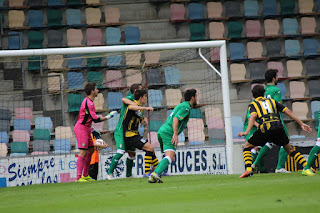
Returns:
<point x="123" y="112"/>
<point x="319" y="125"/>
<point x="182" y="112"/>
<point x="273" y="92"/>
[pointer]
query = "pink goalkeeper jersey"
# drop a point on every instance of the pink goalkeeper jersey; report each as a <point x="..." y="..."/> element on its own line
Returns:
<point x="87" y="113"/>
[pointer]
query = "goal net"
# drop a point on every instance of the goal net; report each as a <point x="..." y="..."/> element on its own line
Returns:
<point x="42" y="90"/>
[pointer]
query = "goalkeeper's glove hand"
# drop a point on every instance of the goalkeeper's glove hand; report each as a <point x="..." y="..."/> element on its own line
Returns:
<point x="96" y="134"/>
<point x="111" y="114"/>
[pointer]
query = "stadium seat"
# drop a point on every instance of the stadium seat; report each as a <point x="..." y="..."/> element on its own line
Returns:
<point x="133" y="77"/>
<point x="21" y="124"/>
<point x="16" y="18"/>
<point x="63" y="132"/>
<point x="236" y="51"/>
<point x="177" y="12"/>
<point x="292" y="47"/>
<point x="277" y="65"/>
<point x="196" y="113"/>
<point x="94" y="36"/>
<point x="237" y="126"/>
<point x="55" y="61"/>
<point x="15" y="40"/>
<point x="133" y="58"/>
<point x="216" y="30"/>
<point x="16" y="3"/>
<point x="132" y="35"/>
<point x="214" y="10"/>
<point x="251" y="7"/>
<point x="74" y="61"/>
<point x="74" y="2"/>
<point x="114" y="78"/>
<point x="257" y="70"/>
<point x="43" y="123"/>
<point x="55" y="81"/>
<point x="61" y="146"/>
<point x="212" y="112"/>
<point x="172" y="75"/>
<point x="35" y="18"/>
<point x="113" y="35"/>
<point x="196" y="11"/>
<point x="95" y="77"/>
<point x="54" y="17"/>
<point x="318" y="5"/>
<point x="93" y="16"/>
<point x="152" y="57"/>
<point x="283" y="89"/>
<point x="74" y="102"/>
<point x="290" y="26"/>
<point x="154" y="76"/>
<point x="155" y="115"/>
<point x="297" y="89"/>
<point x="300" y="109"/>
<point x="75" y="80"/>
<point x="40" y="147"/>
<point x="55" y="38"/>
<point x="173" y="97"/>
<point x="41" y="134"/>
<point x="234" y="29"/>
<point x="195" y="131"/>
<point x="216" y="136"/>
<point x="113" y="122"/>
<point x="155" y="125"/>
<point x="4" y="125"/>
<point x="306" y="6"/>
<point x="314" y="89"/>
<point x="74" y="17"/>
<point x="294" y="68"/>
<point x="315" y="107"/>
<point x="112" y="15"/>
<point x="98" y="102"/>
<point x="271" y="27"/>
<point x="94" y="60"/>
<point x="153" y="138"/>
<point x="214" y="54"/>
<point x="19" y="147"/>
<point x="312" y="67"/>
<point x="237" y="72"/>
<point x="253" y="28"/>
<point x="55" y="2"/>
<point x="197" y="32"/>
<point x="114" y="60"/>
<point x="74" y="37"/>
<point x="232" y="9"/>
<point x="3" y="150"/>
<point x="35" y="39"/>
<point x="33" y="63"/>
<point x="308" y="25"/>
<point x="92" y="2"/>
<point x="154" y="98"/>
<point x="254" y="49"/>
<point x="269" y="7"/>
<point x="5" y="114"/>
<point x="4" y="137"/>
<point x="21" y="136"/>
<point x="310" y="47"/>
<point x="287" y="7"/>
<point x="114" y="100"/>
<point x="98" y="126"/>
<point x="273" y="48"/>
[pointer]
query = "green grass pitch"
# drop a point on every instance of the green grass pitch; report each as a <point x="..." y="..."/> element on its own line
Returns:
<point x="193" y="193"/>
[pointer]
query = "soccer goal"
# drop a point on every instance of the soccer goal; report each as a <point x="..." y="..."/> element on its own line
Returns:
<point x="42" y="89"/>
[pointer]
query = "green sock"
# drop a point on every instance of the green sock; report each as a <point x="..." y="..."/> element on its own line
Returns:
<point x="312" y="156"/>
<point x="163" y="165"/>
<point x="263" y="152"/>
<point x="129" y="164"/>
<point x="282" y="158"/>
<point x="114" y="162"/>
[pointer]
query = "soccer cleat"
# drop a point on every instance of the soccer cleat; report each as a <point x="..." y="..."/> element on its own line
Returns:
<point x="313" y="170"/>
<point x="88" y="178"/>
<point x="155" y="178"/>
<point x="110" y="177"/>
<point x="282" y="170"/>
<point x="308" y="172"/>
<point x="246" y="174"/>
<point x="81" y="180"/>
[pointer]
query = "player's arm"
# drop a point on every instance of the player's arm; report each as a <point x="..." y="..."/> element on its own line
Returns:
<point x="135" y="107"/>
<point x="252" y="120"/>
<point x="128" y="101"/>
<point x="103" y="146"/>
<point x="175" y="125"/>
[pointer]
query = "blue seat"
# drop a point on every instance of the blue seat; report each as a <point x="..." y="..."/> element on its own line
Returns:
<point x="318" y="5"/>
<point x="155" y="98"/>
<point x="141" y="130"/>
<point x="310" y="47"/>
<point x="61" y="146"/>
<point x="257" y="70"/>
<point x="181" y="137"/>
<point x="172" y="75"/>
<point x="196" y="11"/>
<point x="312" y="67"/>
<point x="315" y="107"/>
<point x="15" y="40"/>
<point x="35" y="3"/>
<point x="283" y="89"/>
<point x="43" y="123"/>
<point x="74" y="61"/>
<point x="113" y="35"/>
<point x="1" y="3"/>
<point x="5" y="114"/>
<point x="269" y="7"/>
<point x="21" y="124"/>
<point x="74" y="17"/>
<point x="314" y="89"/>
<point x="292" y="47"/>
<point x="273" y="48"/>
<point x="251" y="7"/>
<point x="290" y="26"/>
<point x="232" y="9"/>
<point x="154" y="76"/>
<point x="236" y="51"/>
<point x="75" y="80"/>
<point x="237" y="126"/>
<point x="114" y="100"/>
<point x="132" y="35"/>
<point x="55" y="2"/>
<point x="114" y="60"/>
<point x="4" y="125"/>
<point x="4" y="137"/>
<point x="55" y="38"/>
<point x="113" y="122"/>
<point x="35" y="18"/>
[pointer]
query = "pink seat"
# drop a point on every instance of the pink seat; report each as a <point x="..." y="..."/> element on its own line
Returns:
<point x="277" y="66"/>
<point x="195" y="123"/>
<point x="214" y="54"/>
<point x="253" y="28"/>
<point x="177" y="12"/>
<point x="271" y="27"/>
<point x="112" y="15"/>
<point x="212" y="112"/>
<point x="152" y="57"/>
<point x="21" y="136"/>
<point x="308" y="25"/>
<point x="74" y="37"/>
<point x="294" y="68"/>
<point x="255" y="49"/>
<point x="98" y="126"/>
<point x="297" y="89"/>
<point x="153" y="138"/>
<point x="196" y="135"/>
<point x="216" y="30"/>
<point x="114" y="78"/>
<point x="133" y="77"/>
<point x="300" y="109"/>
<point x="3" y="150"/>
<point x="214" y="10"/>
<point x="23" y="113"/>
<point x="39" y="153"/>
<point x="215" y="123"/>
<point x="237" y="72"/>
<point x="94" y="36"/>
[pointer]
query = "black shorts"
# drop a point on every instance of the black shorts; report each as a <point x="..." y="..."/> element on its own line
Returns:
<point x="276" y="136"/>
<point x="134" y="142"/>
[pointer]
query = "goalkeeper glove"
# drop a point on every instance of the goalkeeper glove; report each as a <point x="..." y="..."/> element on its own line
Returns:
<point x="111" y="114"/>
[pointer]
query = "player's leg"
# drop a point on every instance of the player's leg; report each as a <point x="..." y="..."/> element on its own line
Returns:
<point x="93" y="170"/>
<point x="283" y="155"/>
<point x="307" y="170"/>
<point x="149" y="158"/>
<point x="118" y="136"/>
<point x="129" y="163"/>
<point x="82" y="140"/>
<point x="259" y="161"/>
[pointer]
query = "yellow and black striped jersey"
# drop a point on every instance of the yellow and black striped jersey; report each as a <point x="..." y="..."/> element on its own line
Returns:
<point x="131" y="121"/>
<point x="267" y="111"/>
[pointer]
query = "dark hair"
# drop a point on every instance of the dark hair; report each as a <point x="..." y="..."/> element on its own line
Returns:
<point x="89" y="87"/>
<point x="139" y="93"/>
<point x="258" y="91"/>
<point x="134" y="87"/>
<point x="188" y="94"/>
<point x="270" y="74"/>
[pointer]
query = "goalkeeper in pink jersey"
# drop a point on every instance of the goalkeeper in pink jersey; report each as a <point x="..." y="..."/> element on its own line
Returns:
<point x="82" y="130"/>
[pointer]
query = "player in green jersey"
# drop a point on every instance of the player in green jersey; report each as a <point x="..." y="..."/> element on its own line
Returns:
<point x="169" y="131"/>
<point x="273" y="92"/>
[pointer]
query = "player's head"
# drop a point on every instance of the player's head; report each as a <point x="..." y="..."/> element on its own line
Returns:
<point x="191" y="95"/>
<point x="141" y="95"/>
<point x="135" y="87"/>
<point x="258" y="91"/>
<point x="271" y="75"/>
<point x="91" y="88"/>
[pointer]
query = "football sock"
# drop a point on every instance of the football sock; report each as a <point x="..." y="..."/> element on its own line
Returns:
<point x="254" y="153"/>
<point x="247" y="157"/>
<point x="163" y="165"/>
<point x="298" y="158"/>
<point x="312" y="156"/>
<point x="129" y="163"/>
<point x="263" y="152"/>
<point x="282" y="158"/>
<point x="80" y="163"/>
<point x="147" y="162"/>
<point x="114" y="162"/>
<point x="155" y="161"/>
<point x="86" y="164"/>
